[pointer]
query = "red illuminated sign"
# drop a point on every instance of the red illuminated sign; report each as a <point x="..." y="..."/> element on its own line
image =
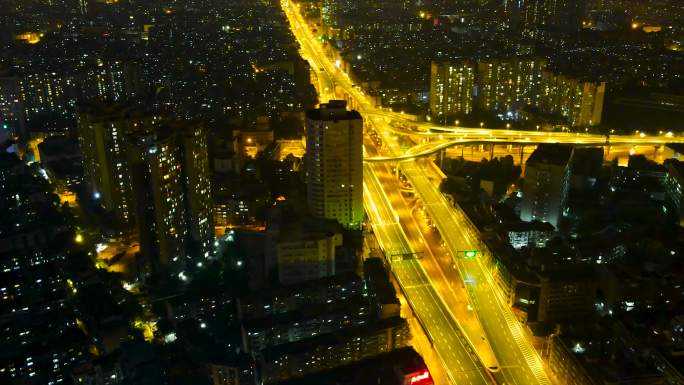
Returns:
<point x="420" y="378"/>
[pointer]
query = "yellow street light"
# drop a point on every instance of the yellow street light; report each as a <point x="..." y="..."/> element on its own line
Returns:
<point x="78" y="238"/>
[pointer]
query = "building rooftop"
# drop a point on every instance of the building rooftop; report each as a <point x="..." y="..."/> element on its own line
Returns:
<point x="333" y="110"/>
<point x="378" y="279"/>
<point x="60" y="146"/>
<point x="528" y="226"/>
<point x="351" y="305"/>
<point x="587" y="161"/>
<point x="317" y="284"/>
<point x="104" y="111"/>
<point x="607" y="354"/>
<point x="380" y="370"/>
<point x="555" y="154"/>
<point x="331" y="339"/>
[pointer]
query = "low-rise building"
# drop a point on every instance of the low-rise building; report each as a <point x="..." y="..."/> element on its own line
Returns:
<point x="398" y="367"/>
<point x="601" y="353"/>
<point x="529" y="234"/>
<point x="283" y="299"/>
<point x="303" y="250"/>
<point x="304" y="323"/>
<point x="331" y="350"/>
<point x="382" y="293"/>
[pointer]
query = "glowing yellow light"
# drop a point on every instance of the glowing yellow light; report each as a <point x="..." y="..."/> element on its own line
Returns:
<point x="148" y="328"/>
<point x="78" y="238"/>
<point x="29" y="37"/>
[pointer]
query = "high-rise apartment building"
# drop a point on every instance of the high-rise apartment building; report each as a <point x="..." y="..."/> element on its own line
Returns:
<point x="552" y="15"/>
<point x="102" y="132"/>
<point x="172" y="193"/>
<point x="51" y="95"/>
<point x="451" y="88"/>
<point x="12" y="114"/>
<point x="580" y="102"/>
<point x="329" y="12"/>
<point x="48" y="94"/>
<point x="334" y="163"/>
<point x="546" y="183"/>
<point x="198" y="181"/>
<point x="110" y="80"/>
<point x="508" y="84"/>
<point x="159" y="196"/>
<point x="153" y="175"/>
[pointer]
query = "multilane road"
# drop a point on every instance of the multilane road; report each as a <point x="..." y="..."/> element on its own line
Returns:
<point x="518" y="362"/>
<point x="460" y="361"/>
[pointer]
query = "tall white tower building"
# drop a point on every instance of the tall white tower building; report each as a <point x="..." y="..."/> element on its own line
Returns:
<point x="334" y="163"/>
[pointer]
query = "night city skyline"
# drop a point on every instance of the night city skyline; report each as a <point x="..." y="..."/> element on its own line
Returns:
<point x="342" y="192"/>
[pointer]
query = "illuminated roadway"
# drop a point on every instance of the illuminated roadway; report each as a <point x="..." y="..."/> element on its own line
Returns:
<point x="434" y="139"/>
<point x="518" y="362"/>
<point x="460" y="361"/>
<point x="461" y="364"/>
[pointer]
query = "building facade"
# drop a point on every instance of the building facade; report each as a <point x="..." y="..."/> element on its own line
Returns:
<point x="159" y="196"/>
<point x="102" y="133"/>
<point x="172" y="192"/>
<point x="546" y="183"/>
<point x="334" y="164"/>
<point x="196" y="168"/>
<point x="330" y="350"/>
<point x="508" y="84"/>
<point x="451" y="88"/>
<point x="551" y="15"/>
<point x="153" y="176"/>
<point x="674" y="187"/>
<point x="578" y="101"/>
<point x="12" y="113"/>
<point x="306" y="258"/>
